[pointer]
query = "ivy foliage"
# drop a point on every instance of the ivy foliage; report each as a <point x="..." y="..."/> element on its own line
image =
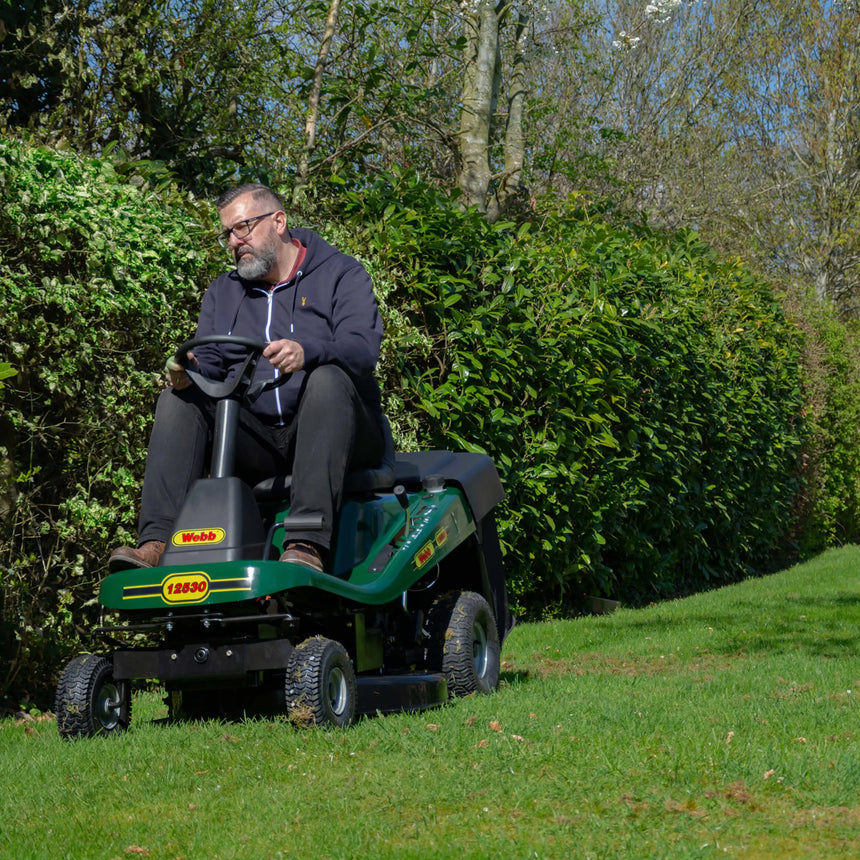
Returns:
<point x="641" y="397"/>
<point x="100" y="274"/>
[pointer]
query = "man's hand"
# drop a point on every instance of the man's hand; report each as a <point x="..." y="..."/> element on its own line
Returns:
<point x="176" y="374"/>
<point x="286" y="355"/>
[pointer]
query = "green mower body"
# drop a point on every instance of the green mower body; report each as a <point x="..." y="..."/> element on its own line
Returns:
<point x="410" y="610"/>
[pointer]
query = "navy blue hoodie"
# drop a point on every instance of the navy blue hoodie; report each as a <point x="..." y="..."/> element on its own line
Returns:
<point x="328" y="307"/>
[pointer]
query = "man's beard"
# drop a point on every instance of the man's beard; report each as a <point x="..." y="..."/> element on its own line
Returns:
<point x="253" y="265"/>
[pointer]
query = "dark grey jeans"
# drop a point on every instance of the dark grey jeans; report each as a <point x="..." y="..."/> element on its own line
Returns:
<point x="333" y="431"/>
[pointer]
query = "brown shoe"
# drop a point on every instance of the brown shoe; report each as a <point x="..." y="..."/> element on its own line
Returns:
<point x="146" y="555"/>
<point x="306" y="554"/>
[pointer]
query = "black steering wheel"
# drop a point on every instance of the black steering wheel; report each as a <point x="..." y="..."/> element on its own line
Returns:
<point x="241" y="386"/>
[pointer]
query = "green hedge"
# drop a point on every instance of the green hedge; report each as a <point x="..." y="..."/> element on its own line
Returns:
<point x="641" y="397"/>
<point x="828" y="508"/>
<point x="99" y="274"/>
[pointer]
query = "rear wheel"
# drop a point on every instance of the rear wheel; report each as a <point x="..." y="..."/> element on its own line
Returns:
<point x="320" y="684"/>
<point x="89" y="701"/>
<point x="464" y="643"/>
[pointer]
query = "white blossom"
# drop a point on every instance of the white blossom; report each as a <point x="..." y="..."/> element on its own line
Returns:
<point x="626" y="40"/>
<point x="661" y="10"/>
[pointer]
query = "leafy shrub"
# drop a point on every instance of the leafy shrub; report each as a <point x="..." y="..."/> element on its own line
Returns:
<point x="641" y="397"/>
<point x="99" y="275"/>
<point x="828" y="510"/>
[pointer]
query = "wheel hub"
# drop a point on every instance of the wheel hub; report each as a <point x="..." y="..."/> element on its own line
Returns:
<point x="108" y="705"/>
<point x="337" y="690"/>
<point x="480" y="652"/>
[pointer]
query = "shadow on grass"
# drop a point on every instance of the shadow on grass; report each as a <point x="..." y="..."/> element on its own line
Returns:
<point x="822" y="627"/>
<point x="515" y="676"/>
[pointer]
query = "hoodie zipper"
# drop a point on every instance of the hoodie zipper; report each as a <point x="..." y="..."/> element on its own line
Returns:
<point x="270" y="299"/>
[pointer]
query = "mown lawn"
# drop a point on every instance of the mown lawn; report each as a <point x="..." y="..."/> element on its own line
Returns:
<point x="723" y="724"/>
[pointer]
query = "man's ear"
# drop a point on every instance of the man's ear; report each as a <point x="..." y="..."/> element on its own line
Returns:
<point x="280" y="220"/>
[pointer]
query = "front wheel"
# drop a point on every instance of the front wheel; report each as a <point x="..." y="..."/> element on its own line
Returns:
<point x="320" y="684"/>
<point x="464" y="643"/>
<point x="89" y="701"/>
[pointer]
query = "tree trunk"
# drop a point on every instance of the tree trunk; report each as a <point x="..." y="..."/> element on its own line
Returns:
<point x="512" y="181"/>
<point x="8" y="492"/>
<point x="314" y="100"/>
<point x="480" y="85"/>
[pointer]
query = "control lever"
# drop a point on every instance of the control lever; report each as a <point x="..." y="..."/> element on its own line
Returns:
<point x="386" y="553"/>
<point x="403" y="500"/>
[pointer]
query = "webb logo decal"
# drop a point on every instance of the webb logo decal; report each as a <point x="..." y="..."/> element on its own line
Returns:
<point x="195" y="537"/>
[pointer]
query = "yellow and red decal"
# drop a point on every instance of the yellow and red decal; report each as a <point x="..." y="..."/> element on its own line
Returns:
<point x="185" y="587"/>
<point x="427" y="551"/>
<point x="188" y="587"/>
<point x="423" y="555"/>
<point x="197" y="537"/>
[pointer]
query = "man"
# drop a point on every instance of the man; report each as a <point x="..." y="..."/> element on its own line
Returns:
<point x="314" y="307"/>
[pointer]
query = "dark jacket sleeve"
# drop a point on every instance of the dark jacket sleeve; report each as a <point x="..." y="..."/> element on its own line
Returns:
<point x="355" y="325"/>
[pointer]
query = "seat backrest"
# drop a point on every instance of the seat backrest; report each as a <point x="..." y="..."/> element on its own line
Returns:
<point x="379" y="477"/>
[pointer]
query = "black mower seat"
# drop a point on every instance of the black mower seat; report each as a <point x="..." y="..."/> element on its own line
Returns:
<point x="379" y="477"/>
<point x="474" y="474"/>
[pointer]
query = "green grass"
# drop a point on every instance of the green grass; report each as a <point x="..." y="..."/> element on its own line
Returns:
<point x="723" y="724"/>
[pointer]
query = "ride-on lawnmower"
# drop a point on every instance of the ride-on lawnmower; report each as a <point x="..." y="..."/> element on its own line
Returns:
<point x="410" y="609"/>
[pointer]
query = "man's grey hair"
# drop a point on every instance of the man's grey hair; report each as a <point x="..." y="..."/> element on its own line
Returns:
<point x="262" y="193"/>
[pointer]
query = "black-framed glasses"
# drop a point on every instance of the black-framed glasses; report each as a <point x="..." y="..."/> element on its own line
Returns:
<point x="241" y="230"/>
